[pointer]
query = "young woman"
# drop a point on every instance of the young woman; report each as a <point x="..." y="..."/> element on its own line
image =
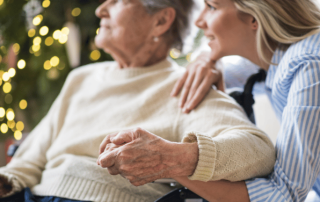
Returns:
<point x="283" y="38"/>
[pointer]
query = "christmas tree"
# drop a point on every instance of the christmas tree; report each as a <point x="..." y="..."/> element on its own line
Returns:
<point x="40" y="43"/>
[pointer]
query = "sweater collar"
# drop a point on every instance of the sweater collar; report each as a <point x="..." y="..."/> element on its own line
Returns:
<point x="124" y="73"/>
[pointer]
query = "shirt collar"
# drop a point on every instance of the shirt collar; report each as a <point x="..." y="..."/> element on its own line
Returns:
<point x="276" y="59"/>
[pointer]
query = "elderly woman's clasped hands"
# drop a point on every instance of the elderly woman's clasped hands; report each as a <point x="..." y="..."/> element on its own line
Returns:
<point x="142" y="157"/>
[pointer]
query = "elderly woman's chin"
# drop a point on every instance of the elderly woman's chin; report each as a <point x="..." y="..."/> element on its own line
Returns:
<point x="101" y="42"/>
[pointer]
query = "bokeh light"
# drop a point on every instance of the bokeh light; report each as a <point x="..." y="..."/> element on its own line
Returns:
<point x="56" y="34"/>
<point x="47" y="65"/>
<point x="17" y="135"/>
<point x="76" y="12"/>
<point x="10" y="114"/>
<point x="48" y="41"/>
<point x="23" y="104"/>
<point x="5" y="76"/>
<point x="2" y="112"/>
<point x="95" y="55"/>
<point x="65" y="30"/>
<point x="7" y="87"/>
<point x="12" y="72"/>
<point x="31" y="33"/>
<point x="16" y="48"/>
<point x="20" y="126"/>
<point x="37" y="40"/>
<point x="4" y="128"/>
<point x="21" y="64"/>
<point x="54" y="61"/>
<point x="46" y="3"/>
<point x="44" y="30"/>
<point x="37" y="20"/>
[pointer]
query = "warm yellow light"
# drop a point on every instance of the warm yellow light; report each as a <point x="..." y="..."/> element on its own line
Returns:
<point x="37" y="40"/>
<point x="7" y="87"/>
<point x="46" y="4"/>
<point x="2" y="112"/>
<point x="188" y="57"/>
<point x="47" y="65"/>
<point x="54" y="61"/>
<point x="76" y="12"/>
<point x="44" y="30"/>
<point x="65" y="30"/>
<point x="10" y="115"/>
<point x="21" y="64"/>
<point x="20" y="126"/>
<point x="0" y="81"/>
<point x="0" y="58"/>
<point x="16" y="47"/>
<point x="56" y="34"/>
<point x="17" y="135"/>
<point x="53" y="74"/>
<point x="48" y="41"/>
<point x="35" y="48"/>
<point x="63" y="39"/>
<point x="4" y="128"/>
<point x="23" y="104"/>
<point x="175" y="53"/>
<point x="37" y="20"/>
<point x="12" y="72"/>
<point x="95" y="55"/>
<point x="1" y="2"/>
<point x="5" y="76"/>
<point x="98" y="31"/>
<point x="31" y="33"/>
<point x="11" y="124"/>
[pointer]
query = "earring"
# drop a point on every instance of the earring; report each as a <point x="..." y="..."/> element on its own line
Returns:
<point x="155" y="39"/>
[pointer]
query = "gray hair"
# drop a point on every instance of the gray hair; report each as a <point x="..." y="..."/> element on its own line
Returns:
<point x="180" y="28"/>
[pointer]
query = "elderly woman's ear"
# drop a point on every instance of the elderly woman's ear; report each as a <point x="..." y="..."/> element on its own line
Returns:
<point x="163" y="21"/>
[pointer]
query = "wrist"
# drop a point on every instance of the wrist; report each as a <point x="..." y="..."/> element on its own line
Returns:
<point x="182" y="158"/>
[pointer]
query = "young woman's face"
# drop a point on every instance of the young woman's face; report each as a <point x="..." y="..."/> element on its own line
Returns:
<point x="230" y="32"/>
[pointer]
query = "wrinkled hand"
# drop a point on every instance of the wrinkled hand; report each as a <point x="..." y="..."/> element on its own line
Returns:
<point x="197" y="81"/>
<point x="5" y="186"/>
<point x="143" y="157"/>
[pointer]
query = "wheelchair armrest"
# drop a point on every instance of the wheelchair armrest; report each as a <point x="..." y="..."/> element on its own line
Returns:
<point x="12" y="149"/>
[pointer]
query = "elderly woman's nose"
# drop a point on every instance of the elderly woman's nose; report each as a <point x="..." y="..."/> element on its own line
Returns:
<point x="102" y="10"/>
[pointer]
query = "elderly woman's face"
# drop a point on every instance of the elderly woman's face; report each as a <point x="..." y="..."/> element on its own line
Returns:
<point x="125" y="26"/>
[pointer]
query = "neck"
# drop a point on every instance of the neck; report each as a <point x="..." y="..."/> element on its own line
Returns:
<point x="147" y="55"/>
<point x="254" y="57"/>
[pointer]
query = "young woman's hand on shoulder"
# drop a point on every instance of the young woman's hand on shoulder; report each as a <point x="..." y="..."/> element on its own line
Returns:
<point x="197" y="81"/>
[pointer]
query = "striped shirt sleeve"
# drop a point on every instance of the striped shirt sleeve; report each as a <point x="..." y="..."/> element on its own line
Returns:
<point x="297" y="92"/>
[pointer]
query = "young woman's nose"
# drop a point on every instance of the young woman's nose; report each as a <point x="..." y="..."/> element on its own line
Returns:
<point x="200" y="22"/>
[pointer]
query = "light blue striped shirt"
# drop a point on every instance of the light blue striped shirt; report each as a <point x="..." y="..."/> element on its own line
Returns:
<point x="294" y="90"/>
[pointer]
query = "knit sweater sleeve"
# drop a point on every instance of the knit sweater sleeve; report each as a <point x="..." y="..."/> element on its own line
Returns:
<point x="230" y="146"/>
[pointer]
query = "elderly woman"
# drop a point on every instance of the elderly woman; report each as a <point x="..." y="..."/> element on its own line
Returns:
<point x="58" y="159"/>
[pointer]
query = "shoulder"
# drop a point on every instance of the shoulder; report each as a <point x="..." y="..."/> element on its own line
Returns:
<point x="307" y="49"/>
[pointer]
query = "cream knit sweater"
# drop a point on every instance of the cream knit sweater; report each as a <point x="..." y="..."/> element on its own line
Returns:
<point x="59" y="156"/>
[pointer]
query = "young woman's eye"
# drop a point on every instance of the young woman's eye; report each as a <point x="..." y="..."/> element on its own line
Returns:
<point x="210" y="7"/>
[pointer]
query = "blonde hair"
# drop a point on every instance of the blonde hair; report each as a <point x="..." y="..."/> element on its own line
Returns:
<point x="281" y="22"/>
